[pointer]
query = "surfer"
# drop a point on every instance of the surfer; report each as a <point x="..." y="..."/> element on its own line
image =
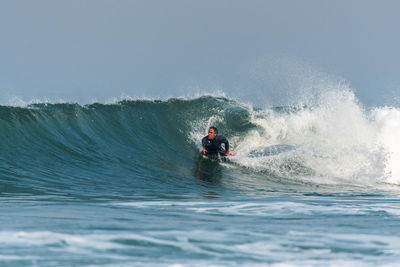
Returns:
<point x="212" y="143"/>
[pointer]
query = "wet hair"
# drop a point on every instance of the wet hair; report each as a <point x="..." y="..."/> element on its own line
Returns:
<point x="214" y="128"/>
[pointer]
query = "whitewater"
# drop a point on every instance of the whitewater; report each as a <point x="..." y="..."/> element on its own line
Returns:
<point x="123" y="183"/>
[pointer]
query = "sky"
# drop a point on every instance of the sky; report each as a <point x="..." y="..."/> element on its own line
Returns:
<point x="257" y="51"/>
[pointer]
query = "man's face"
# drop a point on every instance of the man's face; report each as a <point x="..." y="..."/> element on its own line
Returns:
<point x="211" y="134"/>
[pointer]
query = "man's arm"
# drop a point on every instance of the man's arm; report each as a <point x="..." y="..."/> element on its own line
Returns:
<point x="226" y="142"/>
<point x="203" y="143"/>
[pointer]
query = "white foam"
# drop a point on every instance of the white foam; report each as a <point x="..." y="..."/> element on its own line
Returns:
<point x="102" y="243"/>
<point x="334" y="141"/>
<point x="40" y="238"/>
<point x="285" y="247"/>
<point x="388" y="127"/>
<point x="276" y="208"/>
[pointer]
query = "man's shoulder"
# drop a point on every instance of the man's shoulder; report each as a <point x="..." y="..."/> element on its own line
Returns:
<point x="221" y="137"/>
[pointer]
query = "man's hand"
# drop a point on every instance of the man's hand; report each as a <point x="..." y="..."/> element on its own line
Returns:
<point x="204" y="151"/>
<point x="230" y="154"/>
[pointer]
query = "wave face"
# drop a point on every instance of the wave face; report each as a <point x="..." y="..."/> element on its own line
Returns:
<point x="105" y="149"/>
<point x="138" y="147"/>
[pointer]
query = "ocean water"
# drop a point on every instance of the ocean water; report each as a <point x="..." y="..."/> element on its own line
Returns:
<point x="123" y="184"/>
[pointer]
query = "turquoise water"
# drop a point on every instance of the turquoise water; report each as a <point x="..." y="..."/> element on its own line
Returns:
<point x="123" y="184"/>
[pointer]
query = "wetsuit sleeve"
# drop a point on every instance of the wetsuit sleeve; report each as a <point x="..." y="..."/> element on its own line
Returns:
<point x="226" y="142"/>
<point x="204" y="142"/>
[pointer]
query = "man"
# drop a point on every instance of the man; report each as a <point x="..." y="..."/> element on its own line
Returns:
<point x="212" y="143"/>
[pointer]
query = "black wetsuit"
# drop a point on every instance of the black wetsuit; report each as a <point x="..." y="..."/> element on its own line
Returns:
<point x="213" y="146"/>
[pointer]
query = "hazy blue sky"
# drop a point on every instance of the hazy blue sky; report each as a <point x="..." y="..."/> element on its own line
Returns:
<point x="96" y="49"/>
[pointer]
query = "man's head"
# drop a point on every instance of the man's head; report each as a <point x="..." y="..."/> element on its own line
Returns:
<point x="212" y="132"/>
